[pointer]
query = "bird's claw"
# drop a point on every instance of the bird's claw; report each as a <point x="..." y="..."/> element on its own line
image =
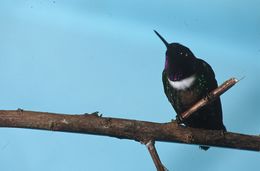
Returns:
<point x="179" y="119"/>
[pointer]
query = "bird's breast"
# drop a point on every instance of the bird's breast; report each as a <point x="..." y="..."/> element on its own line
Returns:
<point x="182" y="84"/>
<point x="186" y="92"/>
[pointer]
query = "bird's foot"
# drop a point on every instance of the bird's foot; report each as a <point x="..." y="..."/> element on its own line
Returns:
<point x="179" y="119"/>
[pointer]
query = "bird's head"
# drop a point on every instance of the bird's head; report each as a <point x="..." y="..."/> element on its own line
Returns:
<point x="179" y="60"/>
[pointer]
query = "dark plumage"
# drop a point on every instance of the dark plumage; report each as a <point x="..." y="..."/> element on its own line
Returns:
<point x="187" y="79"/>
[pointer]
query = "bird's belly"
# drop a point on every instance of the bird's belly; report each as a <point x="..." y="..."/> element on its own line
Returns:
<point x="187" y="98"/>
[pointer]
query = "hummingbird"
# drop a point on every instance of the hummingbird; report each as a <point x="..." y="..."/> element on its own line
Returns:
<point x="187" y="79"/>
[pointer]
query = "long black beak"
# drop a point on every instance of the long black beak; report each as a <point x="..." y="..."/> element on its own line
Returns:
<point x="164" y="41"/>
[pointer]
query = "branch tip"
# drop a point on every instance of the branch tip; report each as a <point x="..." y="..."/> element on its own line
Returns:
<point x="238" y="80"/>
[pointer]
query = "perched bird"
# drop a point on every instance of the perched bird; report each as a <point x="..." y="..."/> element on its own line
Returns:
<point x="187" y="79"/>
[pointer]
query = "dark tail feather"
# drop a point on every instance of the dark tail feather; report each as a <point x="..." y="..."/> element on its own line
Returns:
<point x="204" y="148"/>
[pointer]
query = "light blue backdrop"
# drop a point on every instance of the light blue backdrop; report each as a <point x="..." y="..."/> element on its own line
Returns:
<point x="85" y="56"/>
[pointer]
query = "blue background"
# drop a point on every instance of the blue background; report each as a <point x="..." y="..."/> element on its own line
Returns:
<point x="84" y="56"/>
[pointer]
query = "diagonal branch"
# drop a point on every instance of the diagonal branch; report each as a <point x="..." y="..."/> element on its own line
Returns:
<point x="127" y="129"/>
<point x="208" y="99"/>
<point x="156" y="159"/>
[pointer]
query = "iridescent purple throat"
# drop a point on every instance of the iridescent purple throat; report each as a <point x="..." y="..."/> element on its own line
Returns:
<point x="172" y="76"/>
<point x="166" y="65"/>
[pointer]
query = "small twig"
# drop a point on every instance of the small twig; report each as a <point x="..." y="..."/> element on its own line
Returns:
<point x="156" y="159"/>
<point x="208" y="99"/>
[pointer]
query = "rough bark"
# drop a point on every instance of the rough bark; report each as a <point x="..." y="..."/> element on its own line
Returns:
<point x="141" y="131"/>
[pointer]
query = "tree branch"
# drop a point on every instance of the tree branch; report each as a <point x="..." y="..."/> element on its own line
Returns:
<point x="140" y="131"/>
<point x="144" y="132"/>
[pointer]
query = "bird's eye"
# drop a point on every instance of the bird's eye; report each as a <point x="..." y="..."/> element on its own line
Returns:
<point x="181" y="53"/>
<point x="186" y="54"/>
